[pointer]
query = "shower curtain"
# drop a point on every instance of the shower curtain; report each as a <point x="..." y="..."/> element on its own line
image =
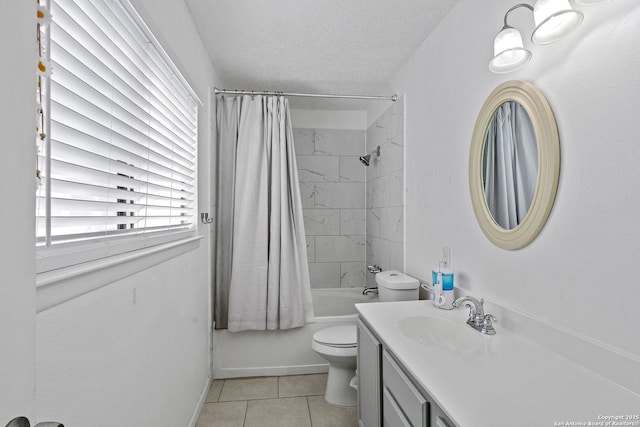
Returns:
<point x="511" y="165"/>
<point x="262" y="275"/>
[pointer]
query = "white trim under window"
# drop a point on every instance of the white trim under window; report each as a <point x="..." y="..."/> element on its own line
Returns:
<point x="120" y="156"/>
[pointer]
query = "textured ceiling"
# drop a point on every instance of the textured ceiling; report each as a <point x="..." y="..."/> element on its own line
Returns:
<point x="317" y="46"/>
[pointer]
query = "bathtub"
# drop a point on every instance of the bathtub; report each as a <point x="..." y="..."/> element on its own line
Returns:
<point x="272" y="353"/>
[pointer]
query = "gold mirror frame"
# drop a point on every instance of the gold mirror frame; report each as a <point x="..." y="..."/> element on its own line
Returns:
<point x="544" y="124"/>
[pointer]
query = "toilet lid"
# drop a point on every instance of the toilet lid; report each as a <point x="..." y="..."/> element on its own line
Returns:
<point x="337" y="336"/>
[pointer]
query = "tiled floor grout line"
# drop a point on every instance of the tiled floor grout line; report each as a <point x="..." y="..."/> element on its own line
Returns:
<point x="265" y="398"/>
<point x="220" y="393"/>
<point x="246" y="410"/>
<point x="309" y="409"/>
<point x="251" y="400"/>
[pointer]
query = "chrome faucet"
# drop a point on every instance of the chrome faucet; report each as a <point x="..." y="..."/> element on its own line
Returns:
<point x="373" y="269"/>
<point x="371" y="290"/>
<point x="477" y="319"/>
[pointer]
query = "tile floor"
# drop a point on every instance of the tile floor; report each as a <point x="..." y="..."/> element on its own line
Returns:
<point x="291" y="401"/>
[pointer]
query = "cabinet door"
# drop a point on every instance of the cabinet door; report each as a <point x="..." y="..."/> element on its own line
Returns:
<point x="413" y="404"/>
<point x="440" y="419"/>
<point x="392" y="415"/>
<point x="369" y="391"/>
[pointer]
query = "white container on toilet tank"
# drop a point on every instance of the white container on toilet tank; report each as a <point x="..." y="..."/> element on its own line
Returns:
<point x="394" y="285"/>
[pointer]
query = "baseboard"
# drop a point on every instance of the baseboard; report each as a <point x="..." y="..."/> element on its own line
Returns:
<point x="201" y="401"/>
<point x="271" y="371"/>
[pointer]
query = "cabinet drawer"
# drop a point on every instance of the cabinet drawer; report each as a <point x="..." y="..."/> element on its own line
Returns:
<point x="412" y="403"/>
<point x="392" y="414"/>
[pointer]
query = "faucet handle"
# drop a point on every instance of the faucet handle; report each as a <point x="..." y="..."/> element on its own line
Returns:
<point x="487" y="324"/>
<point x="489" y="319"/>
<point x="374" y="269"/>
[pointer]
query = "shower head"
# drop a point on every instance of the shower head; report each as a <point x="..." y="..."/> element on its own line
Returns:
<point x="366" y="159"/>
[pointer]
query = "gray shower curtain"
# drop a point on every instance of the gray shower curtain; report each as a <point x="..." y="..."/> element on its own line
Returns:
<point x="510" y="165"/>
<point x="262" y="275"/>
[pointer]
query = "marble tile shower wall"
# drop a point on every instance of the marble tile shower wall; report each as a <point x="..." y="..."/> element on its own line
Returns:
<point x="385" y="192"/>
<point x="332" y="186"/>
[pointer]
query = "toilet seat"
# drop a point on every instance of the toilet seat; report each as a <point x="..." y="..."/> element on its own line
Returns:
<point x="344" y="336"/>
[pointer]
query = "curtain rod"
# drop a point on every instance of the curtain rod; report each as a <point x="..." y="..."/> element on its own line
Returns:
<point x="217" y="91"/>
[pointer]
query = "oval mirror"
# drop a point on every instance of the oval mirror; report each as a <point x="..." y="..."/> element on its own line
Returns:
<point x="514" y="164"/>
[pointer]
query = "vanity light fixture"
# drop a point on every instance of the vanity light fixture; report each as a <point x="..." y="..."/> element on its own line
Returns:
<point x="508" y="48"/>
<point x="553" y="19"/>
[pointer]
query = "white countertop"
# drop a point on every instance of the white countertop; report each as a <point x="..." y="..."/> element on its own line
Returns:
<point x="498" y="380"/>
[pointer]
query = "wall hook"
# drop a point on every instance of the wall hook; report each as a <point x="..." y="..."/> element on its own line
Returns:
<point x="204" y="218"/>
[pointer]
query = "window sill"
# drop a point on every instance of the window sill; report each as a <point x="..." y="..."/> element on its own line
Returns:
<point x="59" y="286"/>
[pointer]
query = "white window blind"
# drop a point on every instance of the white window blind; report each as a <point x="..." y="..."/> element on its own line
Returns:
<point x="119" y="162"/>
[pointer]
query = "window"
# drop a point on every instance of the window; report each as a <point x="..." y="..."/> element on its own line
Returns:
<point x="119" y="160"/>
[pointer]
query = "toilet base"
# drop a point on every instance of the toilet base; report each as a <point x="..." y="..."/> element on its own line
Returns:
<point x="339" y="392"/>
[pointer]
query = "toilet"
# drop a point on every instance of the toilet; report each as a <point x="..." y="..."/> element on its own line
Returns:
<point x="339" y="344"/>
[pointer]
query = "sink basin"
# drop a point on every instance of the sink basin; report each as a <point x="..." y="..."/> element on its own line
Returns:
<point x="441" y="333"/>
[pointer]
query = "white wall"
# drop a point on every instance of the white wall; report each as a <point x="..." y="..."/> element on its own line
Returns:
<point x="137" y="351"/>
<point x="329" y="119"/>
<point x="17" y="186"/>
<point x="581" y="273"/>
<point x="134" y="352"/>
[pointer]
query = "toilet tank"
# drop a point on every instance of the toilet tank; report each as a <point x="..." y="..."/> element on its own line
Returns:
<point x="394" y="285"/>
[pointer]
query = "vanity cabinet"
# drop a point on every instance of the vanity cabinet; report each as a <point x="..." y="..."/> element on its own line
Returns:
<point x="387" y="395"/>
<point x="369" y="370"/>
